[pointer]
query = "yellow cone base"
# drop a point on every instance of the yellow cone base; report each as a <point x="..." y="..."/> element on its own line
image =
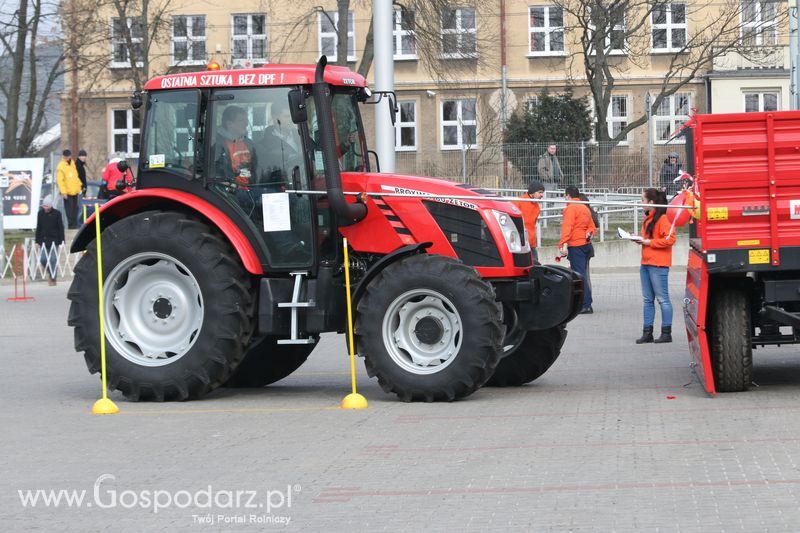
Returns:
<point x="354" y="401"/>
<point x="104" y="406"/>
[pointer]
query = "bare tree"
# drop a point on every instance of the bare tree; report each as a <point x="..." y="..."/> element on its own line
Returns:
<point x="614" y="36"/>
<point x="25" y="87"/>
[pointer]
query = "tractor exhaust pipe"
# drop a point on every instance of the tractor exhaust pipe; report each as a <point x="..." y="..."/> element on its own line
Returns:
<point x="349" y="213"/>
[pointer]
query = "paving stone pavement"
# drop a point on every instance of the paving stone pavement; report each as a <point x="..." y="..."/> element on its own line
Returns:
<point x="594" y="445"/>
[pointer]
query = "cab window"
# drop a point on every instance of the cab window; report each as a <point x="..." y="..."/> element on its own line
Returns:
<point x="170" y="130"/>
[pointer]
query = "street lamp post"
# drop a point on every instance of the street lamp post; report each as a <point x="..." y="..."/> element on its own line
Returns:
<point x="647" y="104"/>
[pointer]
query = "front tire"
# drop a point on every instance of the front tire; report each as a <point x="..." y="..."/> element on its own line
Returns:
<point x="528" y="358"/>
<point x="429" y="329"/>
<point x="177" y="310"/>
<point x="267" y="362"/>
<point x="731" y="340"/>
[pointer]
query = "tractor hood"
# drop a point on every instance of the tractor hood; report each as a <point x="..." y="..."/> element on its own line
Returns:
<point x="435" y="189"/>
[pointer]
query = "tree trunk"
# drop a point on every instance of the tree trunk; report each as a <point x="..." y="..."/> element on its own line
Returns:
<point x="369" y="52"/>
<point x="343" y="7"/>
<point x="10" y="148"/>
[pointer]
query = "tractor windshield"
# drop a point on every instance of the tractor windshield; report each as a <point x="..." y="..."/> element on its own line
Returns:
<point x="348" y="130"/>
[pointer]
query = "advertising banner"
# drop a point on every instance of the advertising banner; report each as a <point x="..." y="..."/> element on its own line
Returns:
<point x="22" y="195"/>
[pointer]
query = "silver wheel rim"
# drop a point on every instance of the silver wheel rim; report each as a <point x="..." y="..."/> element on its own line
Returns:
<point x="153" y="309"/>
<point x="401" y="335"/>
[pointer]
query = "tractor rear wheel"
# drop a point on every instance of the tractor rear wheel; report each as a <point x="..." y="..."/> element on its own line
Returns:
<point x="267" y="362"/>
<point x="731" y="340"/>
<point x="177" y="310"/>
<point x="429" y="329"/>
<point x="527" y="357"/>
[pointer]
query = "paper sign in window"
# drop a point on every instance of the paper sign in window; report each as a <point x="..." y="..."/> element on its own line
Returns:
<point x="275" y="208"/>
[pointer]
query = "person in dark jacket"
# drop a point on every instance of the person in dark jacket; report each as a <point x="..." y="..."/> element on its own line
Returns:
<point x="49" y="236"/>
<point x="80" y="165"/>
<point x="669" y="171"/>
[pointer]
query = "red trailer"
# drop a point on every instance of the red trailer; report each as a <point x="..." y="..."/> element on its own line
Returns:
<point x="743" y="280"/>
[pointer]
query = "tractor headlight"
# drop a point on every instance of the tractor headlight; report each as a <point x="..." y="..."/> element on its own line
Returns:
<point x="510" y="233"/>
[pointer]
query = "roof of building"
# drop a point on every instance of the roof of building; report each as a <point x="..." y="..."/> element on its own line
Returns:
<point x="267" y="75"/>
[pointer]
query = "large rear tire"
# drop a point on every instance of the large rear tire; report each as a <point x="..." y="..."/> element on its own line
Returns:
<point x="528" y="358"/>
<point x="267" y="362"/>
<point x="429" y="329"/>
<point x="177" y="311"/>
<point x="731" y="340"/>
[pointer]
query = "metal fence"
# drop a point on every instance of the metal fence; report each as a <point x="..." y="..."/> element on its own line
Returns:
<point x="586" y="165"/>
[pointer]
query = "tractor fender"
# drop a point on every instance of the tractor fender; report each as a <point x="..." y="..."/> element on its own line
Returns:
<point x="146" y="199"/>
<point x="385" y="261"/>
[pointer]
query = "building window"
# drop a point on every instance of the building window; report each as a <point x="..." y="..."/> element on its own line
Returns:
<point x="459" y="33"/>
<point x="759" y="23"/>
<point x="668" y="27"/>
<point x="761" y="101"/>
<point x="617" y="116"/>
<point x="405" y="126"/>
<point x="459" y="124"/>
<point x="119" y="48"/>
<point x="328" y="37"/>
<point x="189" y="40"/>
<point x="671" y="114"/>
<point x="249" y="36"/>
<point x="125" y="132"/>
<point x="405" y="44"/>
<point x="615" y="32"/>
<point x="546" y="28"/>
<point x="531" y="103"/>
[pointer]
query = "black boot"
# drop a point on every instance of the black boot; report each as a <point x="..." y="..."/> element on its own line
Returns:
<point x="647" y="335"/>
<point x="666" y="335"/>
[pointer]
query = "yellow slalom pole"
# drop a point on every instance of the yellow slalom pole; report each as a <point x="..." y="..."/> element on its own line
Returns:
<point x="103" y="406"/>
<point x="84" y="213"/>
<point x="352" y="400"/>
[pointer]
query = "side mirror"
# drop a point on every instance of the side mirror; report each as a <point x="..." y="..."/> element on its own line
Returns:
<point x="136" y="100"/>
<point x="297" y="106"/>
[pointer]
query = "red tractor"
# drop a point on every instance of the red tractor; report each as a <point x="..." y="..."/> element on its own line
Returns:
<point x="218" y="272"/>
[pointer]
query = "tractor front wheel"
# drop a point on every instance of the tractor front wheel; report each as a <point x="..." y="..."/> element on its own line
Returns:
<point x="429" y="329"/>
<point x="527" y="355"/>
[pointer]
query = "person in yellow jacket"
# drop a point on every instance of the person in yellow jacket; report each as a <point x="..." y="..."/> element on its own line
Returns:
<point x="70" y="186"/>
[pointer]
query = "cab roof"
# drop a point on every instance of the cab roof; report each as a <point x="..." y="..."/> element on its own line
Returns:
<point x="265" y="76"/>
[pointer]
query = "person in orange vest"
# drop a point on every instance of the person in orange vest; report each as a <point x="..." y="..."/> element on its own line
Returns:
<point x="530" y="212"/>
<point x="577" y="230"/>
<point x="658" y="237"/>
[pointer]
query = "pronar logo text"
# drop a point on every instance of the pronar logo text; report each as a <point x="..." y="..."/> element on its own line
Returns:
<point x="429" y="196"/>
<point x="106" y="495"/>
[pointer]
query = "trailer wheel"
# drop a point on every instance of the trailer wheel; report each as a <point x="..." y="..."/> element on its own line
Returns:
<point x="731" y="341"/>
<point x="267" y="362"/>
<point x="528" y="357"/>
<point x="429" y="329"/>
<point x="177" y="309"/>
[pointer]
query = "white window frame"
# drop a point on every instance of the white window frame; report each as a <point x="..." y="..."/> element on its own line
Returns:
<point x="547" y="29"/>
<point x="190" y="39"/>
<point x="459" y="123"/>
<point x="121" y="39"/>
<point x="459" y="32"/>
<point x="617" y="27"/>
<point x="611" y="119"/>
<point x="398" y="33"/>
<point x="351" y="34"/>
<point x="249" y="37"/>
<point x="759" y="22"/>
<point x="399" y="125"/>
<point x="669" y="26"/>
<point x="761" y="93"/>
<point x="531" y="101"/>
<point x="129" y="130"/>
<point x="674" y="118"/>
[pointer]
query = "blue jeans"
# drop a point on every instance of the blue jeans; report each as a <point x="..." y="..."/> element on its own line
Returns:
<point x="579" y="262"/>
<point x="655" y="284"/>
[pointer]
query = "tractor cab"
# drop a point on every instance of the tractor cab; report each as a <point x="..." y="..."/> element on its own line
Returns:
<point x="242" y="138"/>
